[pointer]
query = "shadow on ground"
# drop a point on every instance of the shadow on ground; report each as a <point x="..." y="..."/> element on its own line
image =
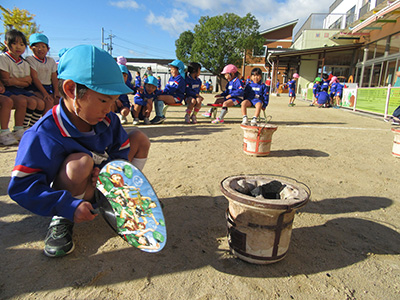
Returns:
<point x="196" y="239"/>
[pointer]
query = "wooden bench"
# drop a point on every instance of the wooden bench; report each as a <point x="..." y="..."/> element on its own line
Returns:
<point x="214" y="111"/>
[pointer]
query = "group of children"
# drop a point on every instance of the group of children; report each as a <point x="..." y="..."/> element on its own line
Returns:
<point x="253" y="93"/>
<point x="327" y="92"/>
<point x="27" y="85"/>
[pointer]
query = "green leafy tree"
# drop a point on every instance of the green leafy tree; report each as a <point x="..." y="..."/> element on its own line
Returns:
<point x="184" y="46"/>
<point x="218" y="41"/>
<point x="19" y="19"/>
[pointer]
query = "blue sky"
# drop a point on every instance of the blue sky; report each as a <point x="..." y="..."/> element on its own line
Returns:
<point x="148" y="29"/>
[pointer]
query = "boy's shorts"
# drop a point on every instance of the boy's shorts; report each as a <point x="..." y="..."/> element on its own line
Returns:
<point x="178" y="100"/>
<point x="236" y="101"/>
<point x="255" y="101"/>
<point x="339" y="94"/>
<point x="6" y="93"/>
<point x="292" y="93"/>
<point x="19" y="91"/>
<point x="48" y="87"/>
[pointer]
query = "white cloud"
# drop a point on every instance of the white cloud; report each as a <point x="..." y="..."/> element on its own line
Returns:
<point x="129" y="4"/>
<point x="175" y="24"/>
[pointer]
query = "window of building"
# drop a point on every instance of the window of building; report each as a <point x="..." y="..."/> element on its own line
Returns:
<point x="376" y="72"/>
<point x="367" y="75"/>
<point x="380" y="48"/>
<point x="350" y="16"/>
<point x="260" y="52"/>
<point x="394" y="44"/>
<point x="371" y="50"/>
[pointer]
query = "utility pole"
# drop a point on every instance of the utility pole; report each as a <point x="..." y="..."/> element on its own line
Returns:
<point x="102" y="38"/>
<point x="110" y="49"/>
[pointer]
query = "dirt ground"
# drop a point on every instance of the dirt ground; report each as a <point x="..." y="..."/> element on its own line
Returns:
<point x="345" y="242"/>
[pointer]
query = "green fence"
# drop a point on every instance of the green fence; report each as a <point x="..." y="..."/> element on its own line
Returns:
<point x="373" y="99"/>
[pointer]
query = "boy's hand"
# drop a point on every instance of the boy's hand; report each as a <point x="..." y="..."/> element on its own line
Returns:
<point x="83" y="212"/>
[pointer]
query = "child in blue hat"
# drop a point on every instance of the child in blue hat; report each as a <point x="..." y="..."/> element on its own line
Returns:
<point x="122" y="105"/>
<point x="59" y="159"/>
<point x="144" y="101"/>
<point x="43" y="71"/>
<point x="174" y="91"/>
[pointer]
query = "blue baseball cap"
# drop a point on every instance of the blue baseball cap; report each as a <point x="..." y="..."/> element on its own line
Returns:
<point x="152" y="80"/>
<point x="38" y="38"/>
<point x="94" y="68"/>
<point x="124" y="69"/>
<point x="180" y="65"/>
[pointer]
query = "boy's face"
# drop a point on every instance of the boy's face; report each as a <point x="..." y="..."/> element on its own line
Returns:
<point x="40" y="50"/>
<point x="17" y="48"/>
<point x="93" y="106"/>
<point x="125" y="76"/>
<point x="150" y="88"/>
<point x="174" y="71"/>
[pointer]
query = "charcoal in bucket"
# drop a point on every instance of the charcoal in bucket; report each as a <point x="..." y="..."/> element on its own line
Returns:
<point x="269" y="190"/>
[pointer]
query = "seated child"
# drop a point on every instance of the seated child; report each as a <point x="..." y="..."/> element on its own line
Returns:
<point x="15" y="74"/>
<point x="316" y="90"/>
<point x="6" y="105"/>
<point x="256" y="94"/>
<point x="193" y="98"/>
<point x="233" y="94"/>
<point x="143" y="101"/>
<point x="43" y="71"/>
<point x="323" y="98"/>
<point x="59" y="159"/>
<point x="122" y="105"/>
<point x="174" y="91"/>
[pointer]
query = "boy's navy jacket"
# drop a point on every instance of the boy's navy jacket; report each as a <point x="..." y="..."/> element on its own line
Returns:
<point x="323" y="97"/>
<point x="192" y="86"/>
<point x="144" y="96"/>
<point x="256" y="91"/>
<point x="234" y="88"/>
<point x="44" y="148"/>
<point x="316" y="89"/>
<point x="292" y="84"/>
<point x="176" y="87"/>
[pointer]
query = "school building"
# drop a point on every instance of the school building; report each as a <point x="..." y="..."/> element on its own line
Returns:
<point x="357" y="41"/>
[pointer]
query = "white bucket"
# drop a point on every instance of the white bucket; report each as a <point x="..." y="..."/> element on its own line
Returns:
<point x="396" y="142"/>
<point x="259" y="230"/>
<point x="257" y="139"/>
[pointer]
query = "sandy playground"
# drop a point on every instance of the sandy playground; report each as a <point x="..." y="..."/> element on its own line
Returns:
<point x="345" y="242"/>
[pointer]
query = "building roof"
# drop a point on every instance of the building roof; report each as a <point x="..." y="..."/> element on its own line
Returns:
<point x="291" y="23"/>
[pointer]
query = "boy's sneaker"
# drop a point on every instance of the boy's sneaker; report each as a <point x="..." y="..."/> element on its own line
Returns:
<point x="187" y="119"/>
<point x="123" y="120"/>
<point x="207" y="114"/>
<point x="395" y="121"/>
<point x="245" y="121"/>
<point x="157" y="120"/>
<point x="218" y="121"/>
<point x="18" y="133"/>
<point x="7" y="138"/>
<point x="58" y="241"/>
<point x="193" y="119"/>
<point x="135" y="121"/>
<point x="253" y="122"/>
<point x="147" y="121"/>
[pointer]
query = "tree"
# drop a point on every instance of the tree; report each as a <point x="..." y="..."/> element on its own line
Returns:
<point x="184" y="46"/>
<point x="19" y="19"/>
<point x="218" y="41"/>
